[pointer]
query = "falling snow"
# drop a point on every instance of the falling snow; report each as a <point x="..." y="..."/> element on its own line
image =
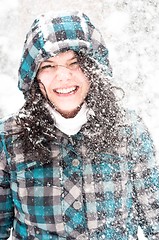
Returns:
<point x="131" y="32"/>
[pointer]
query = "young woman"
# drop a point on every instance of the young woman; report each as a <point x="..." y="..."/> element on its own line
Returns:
<point x="74" y="164"/>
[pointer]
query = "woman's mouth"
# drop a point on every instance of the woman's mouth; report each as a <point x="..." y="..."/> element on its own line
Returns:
<point x="66" y="91"/>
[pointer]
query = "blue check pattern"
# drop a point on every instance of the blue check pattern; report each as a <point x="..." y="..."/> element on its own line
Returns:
<point x="71" y="196"/>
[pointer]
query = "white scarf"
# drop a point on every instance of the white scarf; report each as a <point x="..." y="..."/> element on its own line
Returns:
<point x="70" y="126"/>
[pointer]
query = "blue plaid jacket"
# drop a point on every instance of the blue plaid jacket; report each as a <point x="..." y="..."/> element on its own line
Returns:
<point x="73" y="197"/>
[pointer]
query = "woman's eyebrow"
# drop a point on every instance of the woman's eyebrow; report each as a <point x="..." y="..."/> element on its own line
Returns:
<point x="73" y="57"/>
<point x="52" y="61"/>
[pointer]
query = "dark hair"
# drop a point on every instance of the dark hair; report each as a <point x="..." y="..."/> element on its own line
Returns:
<point x="100" y="133"/>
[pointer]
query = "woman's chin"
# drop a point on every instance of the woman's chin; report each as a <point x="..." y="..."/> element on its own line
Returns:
<point x="69" y="113"/>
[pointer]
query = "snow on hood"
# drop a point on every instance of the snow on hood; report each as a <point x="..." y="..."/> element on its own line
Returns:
<point x="52" y="33"/>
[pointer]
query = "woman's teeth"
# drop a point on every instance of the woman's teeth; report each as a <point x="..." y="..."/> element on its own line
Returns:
<point x="65" y="90"/>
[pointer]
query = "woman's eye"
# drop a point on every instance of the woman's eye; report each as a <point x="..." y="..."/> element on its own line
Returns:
<point x="47" y="66"/>
<point x="74" y="64"/>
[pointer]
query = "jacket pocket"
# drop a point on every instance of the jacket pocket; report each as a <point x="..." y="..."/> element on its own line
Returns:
<point x="39" y="192"/>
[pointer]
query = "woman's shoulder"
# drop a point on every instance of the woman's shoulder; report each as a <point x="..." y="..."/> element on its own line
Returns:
<point x="8" y="125"/>
<point x="139" y="137"/>
<point x="133" y="121"/>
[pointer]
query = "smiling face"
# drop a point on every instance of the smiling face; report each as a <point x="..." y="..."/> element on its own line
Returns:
<point x="62" y="79"/>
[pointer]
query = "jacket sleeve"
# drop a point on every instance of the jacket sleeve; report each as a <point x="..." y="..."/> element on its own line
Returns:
<point x="6" y="206"/>
<point x="146" y="182"/>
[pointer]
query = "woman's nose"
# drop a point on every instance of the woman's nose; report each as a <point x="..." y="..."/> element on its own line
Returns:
<point x="63" y="73"/>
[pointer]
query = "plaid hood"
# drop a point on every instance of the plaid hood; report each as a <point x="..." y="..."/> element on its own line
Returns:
<point x="53" y="33"/>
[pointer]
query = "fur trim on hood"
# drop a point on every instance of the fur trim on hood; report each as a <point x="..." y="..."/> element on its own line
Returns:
<point x="52" y="33"/>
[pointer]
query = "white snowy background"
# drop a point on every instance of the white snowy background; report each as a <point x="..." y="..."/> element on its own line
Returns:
<point x="131" y="32"/>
